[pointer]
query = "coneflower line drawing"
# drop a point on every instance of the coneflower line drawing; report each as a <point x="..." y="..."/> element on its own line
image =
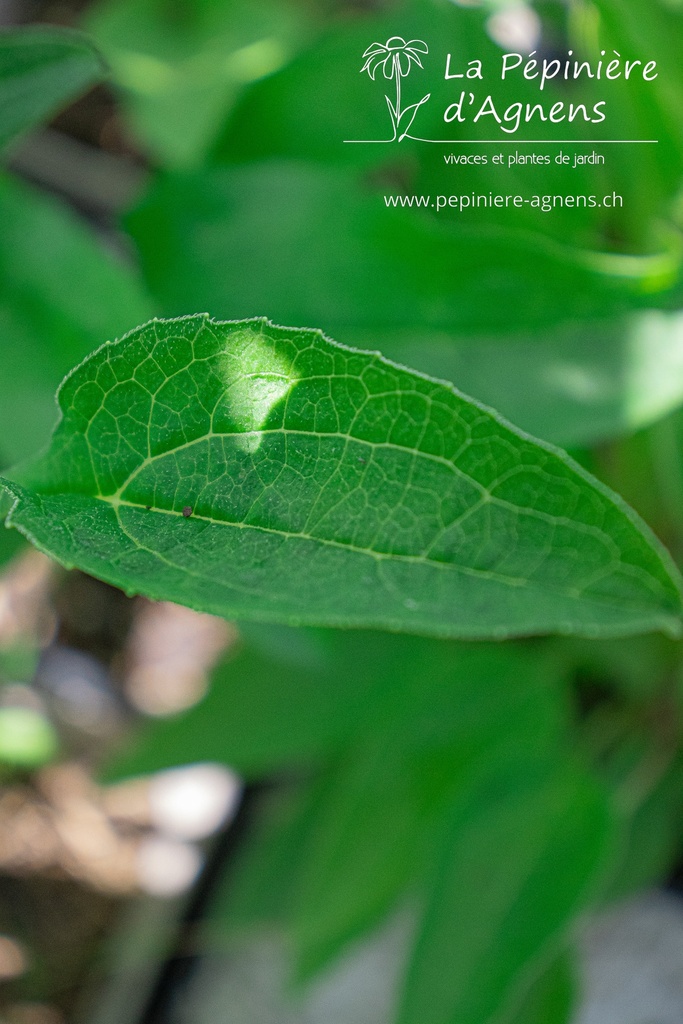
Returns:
<point x="396" y="58"/>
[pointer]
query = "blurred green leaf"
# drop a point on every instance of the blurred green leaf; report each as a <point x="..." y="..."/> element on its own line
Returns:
<point x="41" y="70"/>
<point x="61" y="294"/>
<point x="27" y="739"/>
<point x="516" y="867"/>
<point x="264" y="713"/>
<point x="11" y="543"/>
<point x="454" y="719"/>
<point x="637" y="109"/>
<point x="638" y="672"/>
<point x="440" y="719"/>
<point x="549" y="336"/>
<point x="574" y="384"/>
<point x="240" y="467"/>
<point x="182" y="64"/>
<point x="306" y="110"/>
<point x="19" y="660"/>
<point x="337" y="254"/>
<point x="653" y="830"/>
<point x="271" y="709"/>
<point x="552" y="996"/>
<point x="257" y="890"/>
<point x="655" y="107"/>
<point x="463" y="756"/>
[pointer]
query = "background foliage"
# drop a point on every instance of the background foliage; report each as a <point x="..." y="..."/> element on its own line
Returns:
<point x="489" y="793"/>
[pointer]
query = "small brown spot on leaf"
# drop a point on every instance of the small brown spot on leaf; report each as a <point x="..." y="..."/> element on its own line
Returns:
<point x="187" y="511"/>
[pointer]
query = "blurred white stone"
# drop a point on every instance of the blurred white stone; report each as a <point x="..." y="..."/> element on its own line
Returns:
<point x="632" y="963"/>
<point x="166" y="867"/>
<point x="171" y="653"/>
<point x="192" y="802"/>
<point x="14" y="959"/>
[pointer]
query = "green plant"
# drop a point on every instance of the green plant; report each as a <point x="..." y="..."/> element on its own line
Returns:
<point x="460" y="659"/>
<point x="40" y="70"/>
<point x="244" y="468"/>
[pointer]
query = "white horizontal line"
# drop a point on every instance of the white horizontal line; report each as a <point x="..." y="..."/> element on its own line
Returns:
<point x="518" y="142"/>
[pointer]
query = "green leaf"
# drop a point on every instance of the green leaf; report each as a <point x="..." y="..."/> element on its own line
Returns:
<point x="10" y="545"/>
<point x="655" y="106"/>
<point x="552" y="997"/>
<point x="338" y="255"/>
<point x="300" y="700"/>
<point x="636" y="109"/>
<point x="41" y="70"/>
<point x="577" y="384"/>
<point x="653" y="833"/>
<point x="181" y="66"/>
<point x="516" y="867"/>
<point x="263" y="713"/>
<point x="305" y="110"/>
<point x="561" y="342"/>
<point x="460" y="737"/>
<point x="240" y="468"/>
<point x="453" y="718"/>
<point x="11" y="542"/>
<point x="257" y="888"/>
<point x="440" y="718"/>
<point x="48" y="324"/>
<point x="27" y="739"/>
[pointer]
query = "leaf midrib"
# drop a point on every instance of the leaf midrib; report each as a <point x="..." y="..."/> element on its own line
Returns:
<point x="379" y="556"/>
<point x="486" y="496"/>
